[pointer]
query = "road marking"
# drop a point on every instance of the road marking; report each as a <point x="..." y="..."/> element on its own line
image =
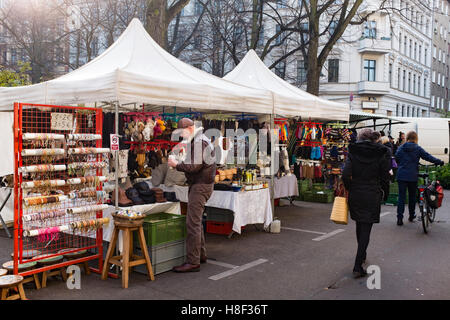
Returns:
<point x="222" y="264"/>
<point x="302" y="230"/>
<point x="238" y="269"/>
<point x="328" y="235"/>
<point x="385" y="214"/>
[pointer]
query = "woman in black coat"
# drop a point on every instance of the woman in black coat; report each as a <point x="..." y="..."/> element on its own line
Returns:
<point x="366" y="177"/>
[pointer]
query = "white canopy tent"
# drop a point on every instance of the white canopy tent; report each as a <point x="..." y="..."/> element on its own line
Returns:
<point x="135" y="69"/>
<point x="288" y="99"/>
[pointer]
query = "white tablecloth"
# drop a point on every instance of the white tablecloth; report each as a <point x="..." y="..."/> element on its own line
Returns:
<point x="168" y="207"/>
<point x="286" y="186"/>
<point x="249" y="207"/>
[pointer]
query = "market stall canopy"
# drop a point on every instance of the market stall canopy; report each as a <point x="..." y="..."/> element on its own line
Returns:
<point x="136" y="69"/>
<point x="288" y="99"/>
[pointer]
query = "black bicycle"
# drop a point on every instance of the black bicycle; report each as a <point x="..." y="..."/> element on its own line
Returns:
<point x="427" y="212"/>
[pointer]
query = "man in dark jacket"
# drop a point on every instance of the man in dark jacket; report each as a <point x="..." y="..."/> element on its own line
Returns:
<point x="408" y="156"/>
<point x="366" y="177"/>
<point x="200" y="170"/>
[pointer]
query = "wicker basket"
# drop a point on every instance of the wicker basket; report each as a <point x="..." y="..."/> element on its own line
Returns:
<point x="122" y="221"/>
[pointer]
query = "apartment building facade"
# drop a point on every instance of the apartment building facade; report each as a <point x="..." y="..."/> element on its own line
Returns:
<point x="440" y="101"/>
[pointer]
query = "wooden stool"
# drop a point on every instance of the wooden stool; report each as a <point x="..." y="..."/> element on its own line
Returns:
<point x="26" y="266"/>
<point x="28" y="254"/>
<point x="12" y="282"/>
<point x="3" y="272"/>
<point x="49" y="273"/>
<point x="76" y="255"/>
<point x="127" y="260"/>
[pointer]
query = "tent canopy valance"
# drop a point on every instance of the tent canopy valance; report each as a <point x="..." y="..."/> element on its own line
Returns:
<point x="136" y="69"/>
<point x="288" y="99"/>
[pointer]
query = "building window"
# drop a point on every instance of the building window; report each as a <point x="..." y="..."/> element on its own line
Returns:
<point x="410" y="49"/>
<point x="397" y="110"/>
<point x="370" y="29"/>
<point x="304" y="28"/>
<point x="434" y="52"/>
<point x="415" y="50"/>
<point x="333" y="70"/>
<point x="198" y="7"/>
<point x="424" y="87"/>
<point x="419" y="79"/>
<point x="405" y="45"/>
<point x="301" y="71"/>
<point x="404" y="80"/>
<point x="280" y="69"/>
<point x="13" y="56"/>
<point x="261" y="37"/>
<point x="369" y="70"/>
<point x="400" y="42"/>
<point x="280" y="35"/>
<point x="433" y="76"/>
<point x="332" y="27"/>
<point x="398" y="78"/>
<point x="409" y="82"/>
<point x="419" y="58"/>
<point x="390" y="75"/>
<point x="425" y="56"/>
<point x="281" y="4"/>
<point x="414" y="84"/>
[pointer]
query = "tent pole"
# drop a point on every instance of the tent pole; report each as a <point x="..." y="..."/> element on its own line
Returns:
<point x="117" y="157"/>
<point x="272" y="156"/>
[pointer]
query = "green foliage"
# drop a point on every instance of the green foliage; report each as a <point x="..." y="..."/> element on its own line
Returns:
<point x="443" y="175"/>
<point x="10" y="78"/>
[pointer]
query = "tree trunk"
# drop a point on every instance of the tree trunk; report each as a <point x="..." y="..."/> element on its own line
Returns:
<point x="313" y="74"/>
<point x="156" y="21"/>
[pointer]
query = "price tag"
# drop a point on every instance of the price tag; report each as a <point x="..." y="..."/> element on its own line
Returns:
<point x="61" y="121"/>
<point x="114" y="142"/>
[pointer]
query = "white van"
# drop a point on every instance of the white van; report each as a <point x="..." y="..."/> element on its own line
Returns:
<point x="434" y="134"/>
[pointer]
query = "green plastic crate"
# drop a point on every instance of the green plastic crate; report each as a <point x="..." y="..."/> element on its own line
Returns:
<point x="325" y="197"/>
<point x="164" y="256"/>
<point x="318" y="187"/>
<point x="308" y="196"/>
<point x="393" y="199"/>
<point x="303" y="186"/>
<point x="219" y="215"/>
<point x="163" y="227"/>
<point x="393" y="187"/>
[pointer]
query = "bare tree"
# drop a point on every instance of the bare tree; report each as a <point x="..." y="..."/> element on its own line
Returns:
<point x="159" y="14"/>
<point x="36" y="32"/>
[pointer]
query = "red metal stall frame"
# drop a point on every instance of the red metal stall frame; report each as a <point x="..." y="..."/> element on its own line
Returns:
<point x="18" y="107"/>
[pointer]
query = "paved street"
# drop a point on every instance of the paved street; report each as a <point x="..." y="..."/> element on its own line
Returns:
<point x="310" y="259"/>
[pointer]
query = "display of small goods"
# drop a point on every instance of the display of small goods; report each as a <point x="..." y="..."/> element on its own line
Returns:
<point x="239" y="179"/>
<point x="337" y="137"/>
<point x="60" y="196"/>
<point x="131" y="214"/>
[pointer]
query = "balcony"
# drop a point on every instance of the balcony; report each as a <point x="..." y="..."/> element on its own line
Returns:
<point x="374" y="46"/>
<point x="373" y="87"/>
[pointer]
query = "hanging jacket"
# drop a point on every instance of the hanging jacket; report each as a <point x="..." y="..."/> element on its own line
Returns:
<point x="408" y="156"/>
<point x="366" y="177"/>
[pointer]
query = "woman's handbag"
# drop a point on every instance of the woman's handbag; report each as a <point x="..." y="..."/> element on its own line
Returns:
<point x="339" y="214"/>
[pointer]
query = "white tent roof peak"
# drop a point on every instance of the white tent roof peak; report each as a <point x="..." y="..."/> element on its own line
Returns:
<point x="289" y="100"/>
<point x="136" y="69"/>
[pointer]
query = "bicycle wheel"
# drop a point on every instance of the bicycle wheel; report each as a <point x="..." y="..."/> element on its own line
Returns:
<point x="431" y="214"/>
<point x="424" y="218"/>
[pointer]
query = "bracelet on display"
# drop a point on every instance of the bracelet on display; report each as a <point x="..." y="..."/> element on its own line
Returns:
<point x="40" y="216"/>
<point x="43" y="183"/>
<point x="85" y="209"/>
<point x="43" y="168"/>
<point x="85" y="136"/>
<point x="42" y="136"/>
<point x="33" y="201"/>
<point x="88" y="150"/>
<point x="42" y="152"/>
